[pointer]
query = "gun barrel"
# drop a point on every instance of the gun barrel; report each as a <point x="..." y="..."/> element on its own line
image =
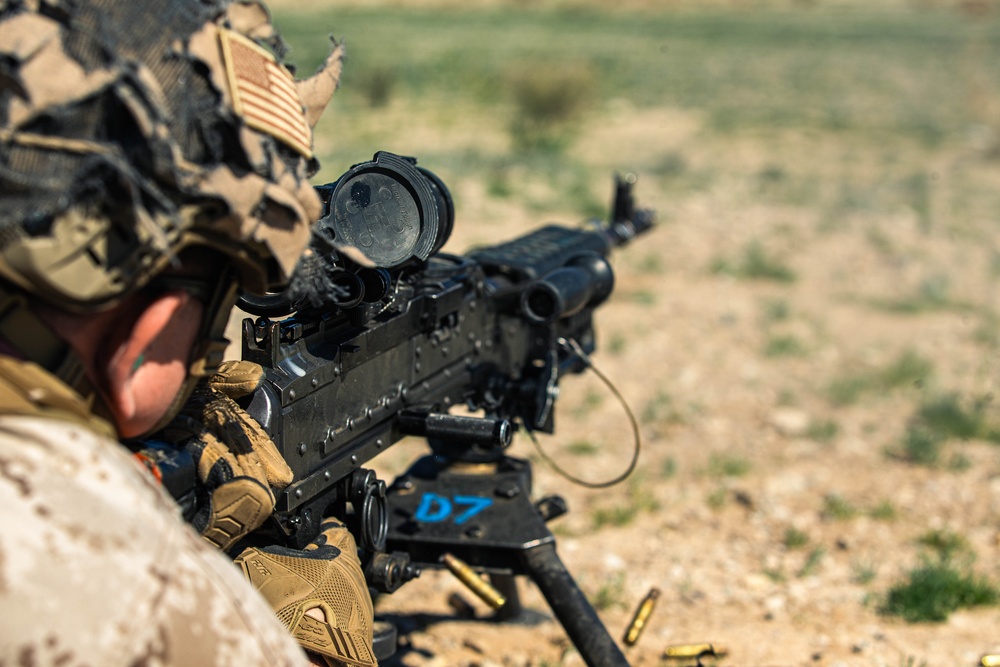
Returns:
<point x="587" y="280"/>
<point x="489" y="433"/>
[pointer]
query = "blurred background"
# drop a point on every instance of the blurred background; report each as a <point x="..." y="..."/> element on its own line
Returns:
<point x="810" y="339"/>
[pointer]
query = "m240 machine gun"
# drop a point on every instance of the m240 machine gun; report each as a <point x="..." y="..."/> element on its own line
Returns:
<point x="371" y="354"/>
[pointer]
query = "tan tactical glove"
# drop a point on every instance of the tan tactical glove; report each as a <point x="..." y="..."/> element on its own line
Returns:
<point x="320" y="594"/>
<point x="237" y="461"/>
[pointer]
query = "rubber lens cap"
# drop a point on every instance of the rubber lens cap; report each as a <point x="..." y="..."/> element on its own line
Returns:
<point x="387" y="209"/>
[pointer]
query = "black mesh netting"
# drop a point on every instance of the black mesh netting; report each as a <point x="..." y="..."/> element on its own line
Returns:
<point x="39" y="182"/>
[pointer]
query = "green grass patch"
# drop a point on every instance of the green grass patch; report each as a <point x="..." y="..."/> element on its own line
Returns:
<point x="838" y="508"/>
<point x="619" y="515"/>
<point x="933" y="294"/>
<point x="812" y="562"/>
<point x="846" y="390"/>
<point x="611" y="593"/>
<point x="716" y="500"/>
<point x="639" y="499"/>
<point x="917" y="190"/>
<point x="909" y="369"/>
<point x="641" y="297"/>
<point x="945" y="543"/>
<point x="775" y="310"/>
<point x="787" y="397"/>
<point x="987" y="333"/>
<point x="944" y="581"/>
<point x="919" y="446"/>
<point x="378" y="86"/>
<point x="617" y="344"/>
<point x="959" y="462"/>
<point x="863" y="572"/>
<point x="661" y="409"/>
<point x="935" y="589"/>
<point x="940" y="419"/>
<point x="949" y="416"/>
<point x="823" y="430"/>
<point x="582" y="448"/>
<point x="785" y="345"/>
<point x="795" y="538"/>
<point x="884" y="510"/>
<point x="590" y="401"/>
<point x="726" y="465"/>
<point x="755" y="263"/>
<point x="549" y="99"/>
<point x="651" y="264"/>
<point x="880" y="241"/>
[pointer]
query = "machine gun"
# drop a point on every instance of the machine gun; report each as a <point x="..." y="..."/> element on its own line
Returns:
<point x="370" y="355"/>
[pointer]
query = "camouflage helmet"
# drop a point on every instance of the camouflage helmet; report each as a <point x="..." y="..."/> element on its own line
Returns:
<point x="130" y="131"/>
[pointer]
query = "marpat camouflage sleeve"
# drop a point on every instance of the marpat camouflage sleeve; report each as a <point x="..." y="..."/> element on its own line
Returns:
<point x="97" y="567"/>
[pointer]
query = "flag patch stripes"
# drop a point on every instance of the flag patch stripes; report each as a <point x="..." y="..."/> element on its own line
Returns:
<point x="264" y="92"/>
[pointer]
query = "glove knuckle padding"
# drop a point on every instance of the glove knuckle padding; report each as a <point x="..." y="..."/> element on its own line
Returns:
<point x="237" y="462"/>
<point x="237" y="507"/>
<point x="329" y="579"/>
<point x="254" y="450"/>
<point x="237" y="378"/>
<point x="336" y="535"/>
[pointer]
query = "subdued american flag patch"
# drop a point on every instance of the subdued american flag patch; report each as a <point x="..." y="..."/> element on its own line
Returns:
<point x="264" y="92"/>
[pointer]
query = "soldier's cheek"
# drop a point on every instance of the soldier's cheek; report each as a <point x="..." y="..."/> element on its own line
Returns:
<point x="150" y="368"/>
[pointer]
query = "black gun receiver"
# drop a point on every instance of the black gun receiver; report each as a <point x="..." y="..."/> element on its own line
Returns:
<point x="368" y="355"/>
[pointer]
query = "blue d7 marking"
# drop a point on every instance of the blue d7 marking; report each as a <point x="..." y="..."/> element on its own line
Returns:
<point x="435" y="509"/>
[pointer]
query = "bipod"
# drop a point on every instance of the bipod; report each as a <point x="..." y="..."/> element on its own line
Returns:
<point x="478" y="516"/>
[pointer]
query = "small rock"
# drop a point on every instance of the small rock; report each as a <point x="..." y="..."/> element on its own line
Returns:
<point x="756" y="582"/>
<point x="743" y="499"/>
<point x="472" y="646"/>
<point x="613" y="561"/>
<point x="774" y="604"/>
<point x="790" y="421"/>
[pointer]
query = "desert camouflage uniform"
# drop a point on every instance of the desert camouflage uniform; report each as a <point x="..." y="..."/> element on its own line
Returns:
<point x="96" y="566"/>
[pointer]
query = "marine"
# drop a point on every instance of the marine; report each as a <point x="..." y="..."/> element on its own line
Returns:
<point x="154" y="160"/>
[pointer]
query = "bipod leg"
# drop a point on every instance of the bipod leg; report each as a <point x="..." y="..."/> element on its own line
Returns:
<point x="506" y="585"/>
<point x="485" y="518"/>
<point x="571" y="607"/>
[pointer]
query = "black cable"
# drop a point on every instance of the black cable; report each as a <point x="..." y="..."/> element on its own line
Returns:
<point x="575" y="348"/>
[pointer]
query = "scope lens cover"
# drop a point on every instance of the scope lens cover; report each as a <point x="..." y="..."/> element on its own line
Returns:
<point x="389" y="210"/>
